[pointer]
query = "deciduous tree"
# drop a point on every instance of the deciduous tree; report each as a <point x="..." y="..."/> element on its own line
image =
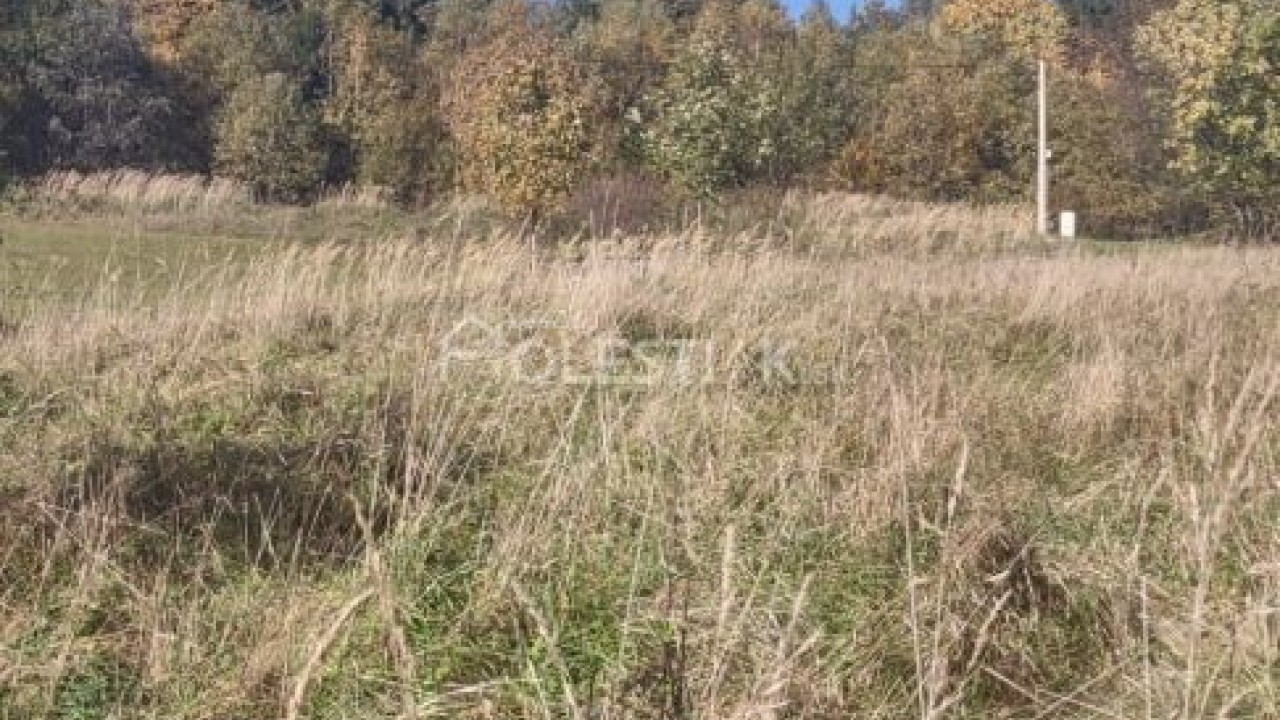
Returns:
<point x="382" y="99"/>
<point x="1222" y="62"/>
<point x="166" y="23"/>
<point x="949" y="129"/>
<point x="99" y="102"/>
<point x="1028" y="29"/>
<point x="697" y="131"/>
<point x="822" y="98"/>
<point x="525" y="115"/>
<point x="723" y="115"/>
<point x="269" y="137"/>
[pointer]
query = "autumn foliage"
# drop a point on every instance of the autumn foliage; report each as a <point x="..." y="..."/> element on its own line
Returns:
<point x="525" y="116"/>
<point x="1160" y="106"/>
<point x="1222" y="62"/>
<point x="1026" y="29"/>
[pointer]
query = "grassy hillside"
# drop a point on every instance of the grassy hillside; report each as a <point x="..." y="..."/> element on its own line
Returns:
<point x="875" y="464"/>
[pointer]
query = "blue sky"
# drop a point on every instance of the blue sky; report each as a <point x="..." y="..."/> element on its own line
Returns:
<point x="839" y="8"/>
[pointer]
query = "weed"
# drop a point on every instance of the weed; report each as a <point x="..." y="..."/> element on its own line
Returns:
<point x="981" y="478"/>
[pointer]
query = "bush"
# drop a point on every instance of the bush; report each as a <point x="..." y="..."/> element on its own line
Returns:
<point x="269" y="138"/>
<point x="398" y="148"/>
<point x="1219" y="63"/>
<point x="1107" y="167"/>
<point x="948" y="132"/>
<point x="382" y="106"/>
<point x="525" y="116"/>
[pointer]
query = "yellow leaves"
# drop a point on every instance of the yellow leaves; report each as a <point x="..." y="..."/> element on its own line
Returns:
<point x="1197" y="36"/>
<point x="525" y="117"/>
<point x="1030" y="29"/>
<point x="753" y="26"/>
<point x="1099" y="73"/>
<point x="860" y="166"/>
<point x="1221" y="89"/>
<point x="762" y="26"/>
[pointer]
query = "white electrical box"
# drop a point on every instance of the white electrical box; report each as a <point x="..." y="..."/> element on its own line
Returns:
<point x="1067" y="225"/>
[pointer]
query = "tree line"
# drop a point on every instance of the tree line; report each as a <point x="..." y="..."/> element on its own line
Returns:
<point x="1166" y="112"/>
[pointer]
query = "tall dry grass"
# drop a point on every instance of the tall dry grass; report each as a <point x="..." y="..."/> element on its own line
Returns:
<point x="607" y="208"/>
<point x="196" y="206"/>
<point x="662" y="479"/>
<point x="138" y="191"/>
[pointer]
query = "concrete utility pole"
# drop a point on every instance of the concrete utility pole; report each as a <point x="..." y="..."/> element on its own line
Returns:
<point x="1042" y="157"/>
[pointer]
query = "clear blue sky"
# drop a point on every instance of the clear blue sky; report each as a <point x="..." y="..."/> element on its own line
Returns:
<point x="839" y="8"/>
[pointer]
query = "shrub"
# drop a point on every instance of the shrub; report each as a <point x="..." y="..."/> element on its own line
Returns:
<point x="382" y="101"/>
<point x="1107" y="166"/>
<point x="268" y="137"/>
<point x="711" y="120"/>
<point x="93" y="99"/>
<point x="525" y="116"/>
<point x="950" y="130"/>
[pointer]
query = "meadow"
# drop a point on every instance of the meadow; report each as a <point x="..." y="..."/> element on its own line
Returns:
<point x="850" y="459"/>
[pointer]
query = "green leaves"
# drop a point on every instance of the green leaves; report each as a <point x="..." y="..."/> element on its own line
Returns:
<point x="382" y="100"/>
<point x="1221" y="59"/>
<point x="698" y="134"/>
<point x="947" y="131"/>
<point x="747" y="100"/>
<point x="268" y="137"/>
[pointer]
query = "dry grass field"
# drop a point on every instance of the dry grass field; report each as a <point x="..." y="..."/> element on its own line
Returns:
<point x="882" y="461"/>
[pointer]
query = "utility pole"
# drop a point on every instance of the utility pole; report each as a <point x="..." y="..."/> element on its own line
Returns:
<point x="1042" y="156"/>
